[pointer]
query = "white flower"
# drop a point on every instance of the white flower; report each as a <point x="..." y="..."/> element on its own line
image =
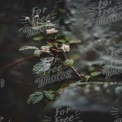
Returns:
<point x="36" y="16"/>
<point x="51" y="31"/>
<point x="45" y="49"/>
<point x="27" y="18"/>
<point x="65" y="48"/>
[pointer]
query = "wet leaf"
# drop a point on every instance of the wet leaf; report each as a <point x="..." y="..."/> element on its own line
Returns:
<point x="69" y="62"/>
<point x="28" y="48"/>
<point x="62" y="41"/>
<point x="37" y="52"/>
<point x="35" y="97"/>
<point x="91" y="68"/>
<point x="75" y="56"/>
<point x="47" y="59"/>
<point x="38" y="38"/>
<point x="50" y="94"/>
<point x="41" y="67"/>
<point x="95" y="73"/>
<point x="62" y="10"/>
<point x="87" y="77"/>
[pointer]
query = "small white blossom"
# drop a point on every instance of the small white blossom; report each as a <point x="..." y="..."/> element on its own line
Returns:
<point x="45" y="49"/>
<point x="27" y="18"/>
<point x="65" y="48"/>
<point x="36" y="16"/>
<point x="51" y="31"/>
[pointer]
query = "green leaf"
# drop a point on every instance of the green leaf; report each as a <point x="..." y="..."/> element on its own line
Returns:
<point x="38" y="38"/>
<point x="37" y="52"/>
<point x="75" y="56"/>
<point x="87" y="77"/>
<point x="28" y="48"/>
<point x="35" y="97"/>
<point x="50" y="94"/>
<point x="69" y="62"/>
<point x="62" y="41"/>
<point x="75" y="41"/>
<point x="95" y="73"/>
<point x="62" y="10"/>
<point x="20" y="29"/>
<point x="43" y="66"/>
<point x="91" y="68"/>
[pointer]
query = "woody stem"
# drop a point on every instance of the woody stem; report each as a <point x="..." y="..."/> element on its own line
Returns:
<point x="72" y="67"/>
<point x="16" y="62"/>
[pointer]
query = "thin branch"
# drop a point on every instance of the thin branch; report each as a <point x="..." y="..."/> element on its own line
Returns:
<point x="80" y="76"/>
<point x="76" y="72"/>
<point x="101" y="83"/>
<point x="16" y="62"/>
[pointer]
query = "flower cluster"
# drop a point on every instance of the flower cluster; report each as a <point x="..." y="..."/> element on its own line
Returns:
<point x="35" y="24"/>
<point x="53" y="65"/>
<point x="45" y="49"/>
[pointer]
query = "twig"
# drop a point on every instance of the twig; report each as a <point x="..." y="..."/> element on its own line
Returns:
<point x="100" y="83"/>
<point x="16" y="62"/>
<point x="76" y="72"/>
<point x="73" y="67"/>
